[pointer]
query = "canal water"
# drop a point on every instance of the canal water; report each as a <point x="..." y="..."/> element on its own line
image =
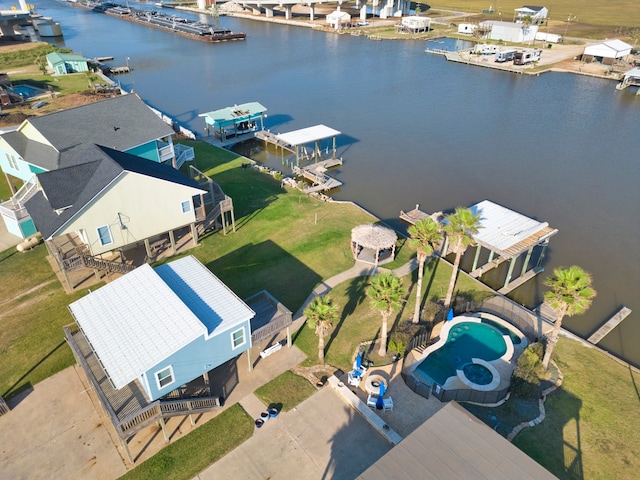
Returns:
<point x="560" y="148"/>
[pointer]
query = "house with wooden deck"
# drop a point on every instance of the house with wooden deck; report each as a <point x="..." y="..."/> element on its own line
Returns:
<point x="149" y="340"/>
<point x="107" y="202"/>
<point x="536" y="15"/>
<point x="38" y="145"/>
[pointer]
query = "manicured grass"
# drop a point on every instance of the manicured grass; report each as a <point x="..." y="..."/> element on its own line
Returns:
<point x="278" y="245"/>
<point x="33" y="309"/>
<point x="188" y="456"/>
<point x="285" y="391"/>
<point x="591" y="424"/>
<point x="359" y="322"/>
<point x="28" y="55"/>
<point x="77" y="82"/>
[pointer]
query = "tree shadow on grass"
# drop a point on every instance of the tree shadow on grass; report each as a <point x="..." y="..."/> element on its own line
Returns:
<point x="356" y="294"/>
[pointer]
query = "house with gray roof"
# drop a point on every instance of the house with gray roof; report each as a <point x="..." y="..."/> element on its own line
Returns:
<point x="537" y="15"/>
<point x="100" y="204"/>
<point x="39" y="144"/>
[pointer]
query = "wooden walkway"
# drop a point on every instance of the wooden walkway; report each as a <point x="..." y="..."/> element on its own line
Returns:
<point x="609" y="325"/>
<point x="274" y="140"/>
<point x="315" y="173"/>
<point x="520" y="280"/>
<point x="415" y="215"/>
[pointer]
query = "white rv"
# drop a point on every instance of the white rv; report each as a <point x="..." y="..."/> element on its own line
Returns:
<point x="505" y="55"/>
<point x="527" y="56"/>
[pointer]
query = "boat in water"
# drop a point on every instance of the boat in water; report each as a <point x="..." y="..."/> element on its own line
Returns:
<point x="171" y="23"/>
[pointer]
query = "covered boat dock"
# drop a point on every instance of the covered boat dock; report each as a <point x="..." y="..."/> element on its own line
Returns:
<point x="232" y="122"/>
<point x="506" y="235"/>
<point x="297" y="141"/>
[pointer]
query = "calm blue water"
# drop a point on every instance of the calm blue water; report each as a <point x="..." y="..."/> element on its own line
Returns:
<point x="466" y="340"/>
<point x="560" y="148"/>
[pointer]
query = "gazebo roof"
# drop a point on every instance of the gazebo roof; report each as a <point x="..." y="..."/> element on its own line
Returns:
<point x="374" y="236"/>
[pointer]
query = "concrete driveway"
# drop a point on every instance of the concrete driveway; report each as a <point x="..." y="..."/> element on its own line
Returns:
<point x="55" y="432"/>
<point x="323" y="438"/>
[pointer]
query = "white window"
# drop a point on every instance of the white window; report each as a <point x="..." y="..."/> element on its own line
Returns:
<point x="104" y="235"/>
<point x="237" y="338"/>
<point x="186" y="206"/>
<point x="13" y="163"/>
<point x="164" y="377"/>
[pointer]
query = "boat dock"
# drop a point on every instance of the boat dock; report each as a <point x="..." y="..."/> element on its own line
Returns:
<point x="413" y="216"/>
<point x="609" y="325"/>
<point x="273" y="139"/>
<point x="316" y="174"/>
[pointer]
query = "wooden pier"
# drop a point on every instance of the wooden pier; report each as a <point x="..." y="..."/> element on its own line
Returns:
<point x="520" y="280"/>
<point x="609" y="325"/>
<point x="316" y="174"/>
<point x="415" y="215"/>
<point x="271" y="138"/>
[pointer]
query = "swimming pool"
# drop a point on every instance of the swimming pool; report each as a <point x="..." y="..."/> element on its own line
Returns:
<point x="466" y="340"/>
<point x="27" y="91"/>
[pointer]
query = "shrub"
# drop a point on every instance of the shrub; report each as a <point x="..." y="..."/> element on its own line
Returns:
<point x="525" y="380"/>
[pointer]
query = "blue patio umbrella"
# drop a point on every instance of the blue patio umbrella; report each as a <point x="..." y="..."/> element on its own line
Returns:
<point x="379" y="401"/>
<point x="450" y="314"/>
<point x="357" y="365"/>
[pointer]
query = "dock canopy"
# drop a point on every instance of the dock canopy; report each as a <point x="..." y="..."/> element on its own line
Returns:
<point x="506" y="232"/>
<point x="236" y="120"/>
<point x="297" y="140"/>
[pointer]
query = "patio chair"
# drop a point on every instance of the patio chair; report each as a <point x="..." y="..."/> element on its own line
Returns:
<point x="387" y="404"/>
<point x="371" y="401"/>
<point x="353" y="379"/>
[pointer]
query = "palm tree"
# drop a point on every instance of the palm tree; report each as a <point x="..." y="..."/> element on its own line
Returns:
<point x="571" y="294"/>
<point x="459" y="228"/>
<point x="386" y="294"/>
<point x="321" y="312"/>
<point x="425" y="234"/>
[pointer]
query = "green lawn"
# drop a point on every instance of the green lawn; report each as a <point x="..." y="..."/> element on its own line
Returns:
<point x="359" y="322"/>
<point x="285" y="392"/>
<point x="189" y="455"/>
<point x="590" y="427"/>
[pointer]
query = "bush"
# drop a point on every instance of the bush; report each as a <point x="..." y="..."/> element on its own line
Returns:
<point x="525" y="380"/>
<point x="431" y="310"/>
<point x="402" y="335"/>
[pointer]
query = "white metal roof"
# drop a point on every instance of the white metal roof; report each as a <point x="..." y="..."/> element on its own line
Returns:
<point x="501" y="228"/>
<point x="215" y="304"/>
<point x="609" y="49"/>
<point x="138" y="320"/>
<point x="308" y="135"/>
<point x="135" y="322"/>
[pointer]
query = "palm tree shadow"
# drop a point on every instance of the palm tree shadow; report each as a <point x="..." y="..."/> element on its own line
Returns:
<point x="433" y="261"/>
<point x="356" y="294"/>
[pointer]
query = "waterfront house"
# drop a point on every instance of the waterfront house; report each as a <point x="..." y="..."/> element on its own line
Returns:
<point x="607" y="52"/>
<point x="105" y="203"/>
<point x="123" y="123"/>
<point x="163" y="327"/>
<point x="64" y="63"/>
<point x="537" y="15"/>
<point x="507" y="31"/>
<point x="415" y="24"/>
<point x="165" y="341"/>
<point x="338" y="19"/>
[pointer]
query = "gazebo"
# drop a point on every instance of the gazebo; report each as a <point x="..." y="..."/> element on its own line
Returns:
<point x="373" y="244"/>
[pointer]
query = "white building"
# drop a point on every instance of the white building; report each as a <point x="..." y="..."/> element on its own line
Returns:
<point x="606" y="52"/>
<point x="508" y="31"/>
<point x="467" y="28"/>
<point x="338" y="19"/>
<point x="415" y="24"/>
<point x="538" y="15"/>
